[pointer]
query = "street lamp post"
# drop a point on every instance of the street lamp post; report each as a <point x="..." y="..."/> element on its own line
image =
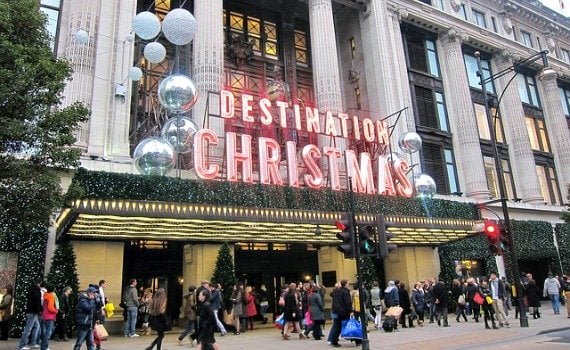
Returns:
<point x="499" y="166"/>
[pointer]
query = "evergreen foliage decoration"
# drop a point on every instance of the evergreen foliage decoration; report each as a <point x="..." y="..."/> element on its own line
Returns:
<point x="563" y="238"/>
<point x="62" y="273"/>
<point x="473" y="248"/>
<point x="31" y="247"/>
<point x="369" y="273"/>
<point x="102" y="185"/>
<point x="224" y="272"/>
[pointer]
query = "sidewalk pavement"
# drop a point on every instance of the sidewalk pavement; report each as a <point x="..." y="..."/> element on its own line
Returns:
<point x="430" y="336"/>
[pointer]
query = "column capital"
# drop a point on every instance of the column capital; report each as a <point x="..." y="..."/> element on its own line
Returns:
<point x="454" y="35"/>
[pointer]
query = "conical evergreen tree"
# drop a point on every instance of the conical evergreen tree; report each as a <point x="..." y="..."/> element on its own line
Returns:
<point x="62" y="273"/>
<point x="369" y="273"/>
<point x="224" y="272"/>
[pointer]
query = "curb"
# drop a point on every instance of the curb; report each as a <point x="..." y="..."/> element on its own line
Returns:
<point x="546" y="331"/>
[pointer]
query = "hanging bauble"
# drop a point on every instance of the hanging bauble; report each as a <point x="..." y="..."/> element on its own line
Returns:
<point x="275" y="91"/>
<point x="135" y="73"/>
<point x="154" y="52"/>
<point x="146" y="25"/>
<point x="177" y="93"/>
<point x="154" y="156"/>
<point x="179" y="132"/>
<point x="410" y="142"/>
<point x="81" y="37"/>
<point x="424" y="185"/>
<point x="130" y="38"/>
<point x="179" y="26"/>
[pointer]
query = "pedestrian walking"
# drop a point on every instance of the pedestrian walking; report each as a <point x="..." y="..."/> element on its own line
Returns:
<point x="189" y="315"/>
<point x="158" y="318"/>
<point x="84" y="320"/>
<point x="131" y="302"/>
<point x="33" y="313"/>
<point x="206" y="323"/>
<point x="551" y="290"/>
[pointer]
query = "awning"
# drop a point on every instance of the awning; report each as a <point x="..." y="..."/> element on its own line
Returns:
<point x="146" y="220"/>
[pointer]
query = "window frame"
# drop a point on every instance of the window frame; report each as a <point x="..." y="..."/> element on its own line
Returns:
<point x="479" y="18"/>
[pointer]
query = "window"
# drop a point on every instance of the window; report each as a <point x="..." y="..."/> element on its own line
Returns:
<point x="422" y="55"/>
<point x="526" y="38"/>
<point x="441" y="112"/>
<point x="432" y="113"/>
<point x="491" y="176"/>
<point x="301" y="48"/>
<point x="479" y="18"/>
<point x="352" y="48"/>
<point x="528" y="90"/>
<point x="451" y="171"/>
<point x="434" y="166"/>
<point x="483" y="125"/>
<point x="472" y="69"/>
<point x="565" y="98"/>
<point x="494" y="23"/>
<point x="536" y="129"/>
<point x="262" y="34"/>
<point x="548" y="184"/>
<point x="358" y="98"/>
<point x="565" y="55"/>
<point x="463" y="12"/>
<point x="51" y="9"/>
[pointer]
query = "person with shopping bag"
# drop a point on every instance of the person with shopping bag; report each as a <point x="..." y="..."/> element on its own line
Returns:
<point x="342" y="307"/>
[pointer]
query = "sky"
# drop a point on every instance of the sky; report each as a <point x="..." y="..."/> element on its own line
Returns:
<point x="556" y="6"/>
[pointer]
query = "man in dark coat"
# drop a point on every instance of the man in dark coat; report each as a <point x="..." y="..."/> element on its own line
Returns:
<point x="33" y="314"/>
<point x="342" y="307"/>
<point x="440" y="299"/>
<point x="84" y="319"/>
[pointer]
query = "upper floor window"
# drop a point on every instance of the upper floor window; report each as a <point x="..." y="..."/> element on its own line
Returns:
<point x="494" y="23"/>
<point x="422" y="54"/>
<point x="528" y="90"/>
<point x="483" y="125"/>
<point x="261" y="33"/>
<point x="463" y="12"/>
<point x="479" y="18"/>
<point x="565" y="98"/>
<point x="526" y="38"/>
<point x="565" y="55"/>
<point x="301" y="54"/>
<point x="431" y="108"/>
<point x="472" y="69"/>
<point x="536" y="129"/>
<point x="51" y="9"/>
<point x="492" y="180"/>
<point x="451" y="171"/>
<point x="352" y="48"/>
<point x="548" y="184"/>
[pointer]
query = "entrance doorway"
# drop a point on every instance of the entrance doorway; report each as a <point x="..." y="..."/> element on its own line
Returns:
<point x="156" y="264"/>
<point x="274" y="265"/>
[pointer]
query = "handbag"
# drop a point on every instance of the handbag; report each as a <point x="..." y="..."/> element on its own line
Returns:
<point x="489" y="299"/>
<point x="280" y="322"/>
<point x="229" y="317"/>
<point x="478" y="298"/>
<point x="307" y="320"/>
<point x="281" y="301"/>
<point x="100" y="332"/>
<point x="109" y="309"/>
<point x="461" y="299"/>
<point x="351" y="329"/>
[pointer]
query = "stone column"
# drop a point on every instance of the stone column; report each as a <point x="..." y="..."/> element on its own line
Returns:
<point x="466" y="143"/>
<point x="208" y="74"/>
<point x="558" y="132"/>
<point x="514" y="123"/>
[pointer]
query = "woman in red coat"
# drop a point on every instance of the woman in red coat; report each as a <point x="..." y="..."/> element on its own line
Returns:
<point x="250" y="309"/>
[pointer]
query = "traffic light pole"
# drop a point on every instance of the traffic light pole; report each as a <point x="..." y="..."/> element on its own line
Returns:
<point x="361" y="293"/>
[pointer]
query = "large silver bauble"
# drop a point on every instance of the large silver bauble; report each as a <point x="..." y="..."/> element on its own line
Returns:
<point x="179" y="26"/>
<point x="154" y="52"/>
<point x="410" y="142"/>
<point x="179" y="132"/>
<point x="81" y="37"/>
<point x="424" y="185"/>
<point x="135" y="73"/>
<point x="177" y="93"/>
<point x="154" y="156"/>
<point x="146" y="25"/>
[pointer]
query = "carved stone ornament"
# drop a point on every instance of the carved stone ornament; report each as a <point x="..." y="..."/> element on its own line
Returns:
<point x="239" y="50"/>
<point x="507" y="23"/>
<point x="455" y="5"/>
<point x="353" y="76"/>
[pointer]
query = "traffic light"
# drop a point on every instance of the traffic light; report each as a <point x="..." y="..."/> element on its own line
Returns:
<point x="493" y="233"/>
<point x="384" y="248"/>
<point x="368" y="240"/>
<point x="346" y="235"/>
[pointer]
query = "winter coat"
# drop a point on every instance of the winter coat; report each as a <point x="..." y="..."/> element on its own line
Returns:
<point x="342" y="303"/>
<point x="439" y="294"/>
<point x="34" y="301"/>
<point x="85" y="310"/>
<point x="190" y="307"/>
<point x="291" y="307"/>
<point x="404" y="299"/>
<point x="250" y="309"/>
<point x="6" y="306"/>
<point x="50" y="310"/>
<point x="551" y="286"/>
<point x="317" y="307"/>
<point x="206" y="326"/>
<point x="216" y="300"/>
<point x="131" y="297"/>
<point x="376" y="296"/>
<point x="238" y="302"/>
<point x="485" y="292"/>
<point x="470" y="291"/>
<point x="532" y="293"/>
<point x="391" y="297"/>
<point x="418" y="299"/>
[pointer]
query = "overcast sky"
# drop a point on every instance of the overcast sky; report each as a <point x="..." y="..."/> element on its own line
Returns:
<point x="555" y="5"/>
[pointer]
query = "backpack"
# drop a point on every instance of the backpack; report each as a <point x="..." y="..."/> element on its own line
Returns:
<point x="389" y="324"/>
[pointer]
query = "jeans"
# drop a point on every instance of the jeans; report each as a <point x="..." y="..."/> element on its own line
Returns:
<point x="218" y="322"/>
<point x="131" y="322"/>
<point x="555" y="301"/>
<point x="84" y="333"/>
<point x="47" y="330"/>
<point x="32" y="327"/>
<point x="190" y="328"/>
<point x="335" y="330"/>
<point x="263" y="311"/>
<point x="334" y="317"/>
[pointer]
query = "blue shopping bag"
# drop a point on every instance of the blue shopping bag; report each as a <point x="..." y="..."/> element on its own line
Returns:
<point x="351" y="329"/>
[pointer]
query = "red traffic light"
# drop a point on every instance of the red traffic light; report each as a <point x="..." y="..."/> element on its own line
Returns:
<point x="341" y="224"/>
<point x="491" y="229"/>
